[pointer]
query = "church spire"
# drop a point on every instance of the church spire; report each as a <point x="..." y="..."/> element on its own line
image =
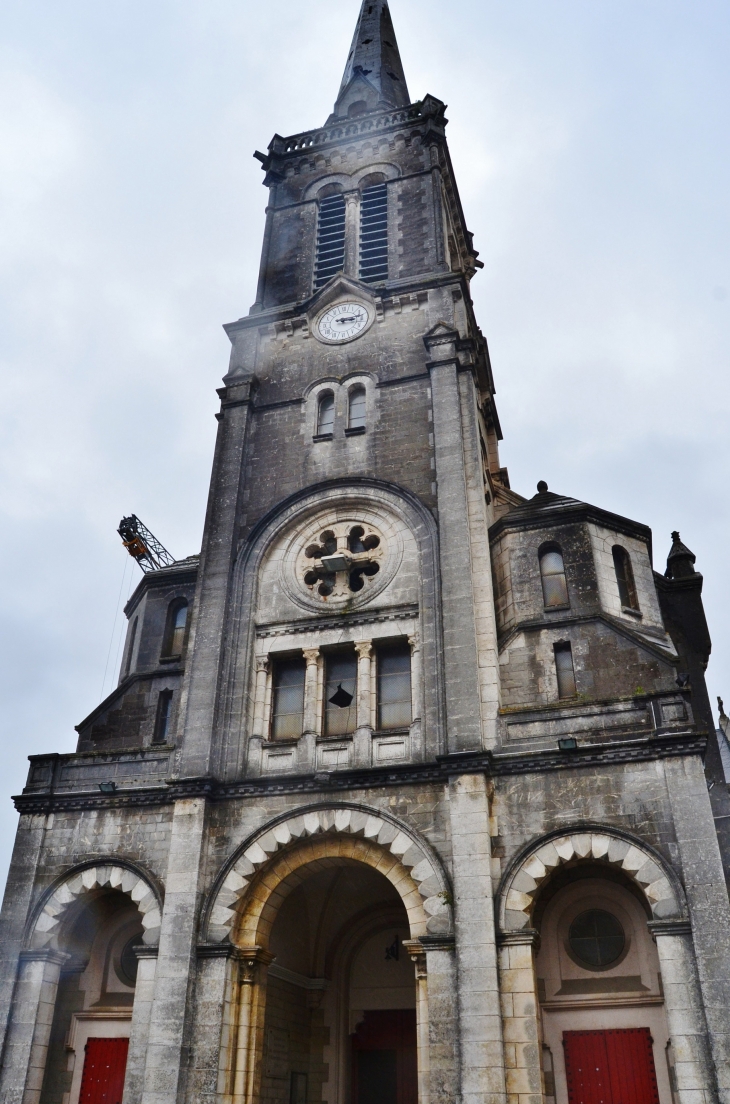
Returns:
<point x="374" y="77"/>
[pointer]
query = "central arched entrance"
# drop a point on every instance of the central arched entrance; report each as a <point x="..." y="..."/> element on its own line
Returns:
<point x="340" y="1019"/>
<point x="324" y="913"/>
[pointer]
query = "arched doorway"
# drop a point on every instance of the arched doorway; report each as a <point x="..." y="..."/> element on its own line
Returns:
<point x="340" y="1019"/>
<point x="75" y="1002"/>
<point x="596" y="940"/>
<point x="86" y="1059"/>
<point x="604" y="1027"/>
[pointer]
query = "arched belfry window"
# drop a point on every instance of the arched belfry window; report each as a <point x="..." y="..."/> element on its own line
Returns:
<point x="625" y="578"/>
<point x="330" y="237"/>
<point x="374" y="233"/>
<point x="356" y="403"/>
<point x="326" y="414"/>
<point x="552" y="573"/>
<point x="177" y="619"/>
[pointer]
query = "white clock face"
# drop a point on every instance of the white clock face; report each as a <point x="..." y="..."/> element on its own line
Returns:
<point x="343" y="322"/>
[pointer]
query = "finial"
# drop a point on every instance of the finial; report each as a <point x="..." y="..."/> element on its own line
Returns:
<point x="542" y="487"/>
<point x="720" y="706"/>
<point x="680" y="561"/>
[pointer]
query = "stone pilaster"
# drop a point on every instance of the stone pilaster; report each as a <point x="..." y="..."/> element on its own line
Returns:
<point x="463" y="714"/>
<point x="443" y="1018"/>
<point x="166" y="1052"/>
<point x="695" y="1080"/>
<point x="29" y="1032"/>
<point x="520" y="1017"/>
<point x="704" y="884"/>
<point x="139" y="1033"/>
<point x="480" y="1024"/>
<point x="16" y="903"/>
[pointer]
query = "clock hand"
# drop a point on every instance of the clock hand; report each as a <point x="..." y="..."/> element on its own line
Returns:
<point x="347" y="318"/>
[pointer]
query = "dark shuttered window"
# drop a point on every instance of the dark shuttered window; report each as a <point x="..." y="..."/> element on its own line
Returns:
<point x="374" y="233"/>
<point x="330" y="239"/>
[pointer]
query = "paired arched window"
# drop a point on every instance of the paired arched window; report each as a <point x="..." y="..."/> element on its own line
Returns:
<point x="177" y="619"/>
<point x="552" y="573"/>
<point x="325" y="413"/>
<point x="356" y="408"/>
<point x="625" y="578"/>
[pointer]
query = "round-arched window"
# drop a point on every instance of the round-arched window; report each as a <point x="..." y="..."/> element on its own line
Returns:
<point x="596" y="939"/>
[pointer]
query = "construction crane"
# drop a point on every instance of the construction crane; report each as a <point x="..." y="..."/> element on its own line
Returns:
<point x="142" y="545"/>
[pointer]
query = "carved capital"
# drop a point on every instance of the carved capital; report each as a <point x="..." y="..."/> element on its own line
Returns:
<point x="262" y="664"/>
<point x="364" y="649"/>
<point x="311" y="655"/>
<point x="417" y="954"/>
<point x="253" y="961"/>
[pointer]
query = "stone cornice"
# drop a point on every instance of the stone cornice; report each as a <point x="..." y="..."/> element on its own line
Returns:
<point x="494" y="764"/>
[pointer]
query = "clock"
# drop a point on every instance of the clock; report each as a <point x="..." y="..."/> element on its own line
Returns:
<point x="343" y="322"/>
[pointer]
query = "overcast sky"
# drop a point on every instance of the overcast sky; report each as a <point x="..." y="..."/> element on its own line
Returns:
<point x="589" y="139"/>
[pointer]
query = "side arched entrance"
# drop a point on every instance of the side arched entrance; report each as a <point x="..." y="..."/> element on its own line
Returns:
<point x="331" y="918"/>
<point x="81" y="999"/>
<point x="601" y="996"/>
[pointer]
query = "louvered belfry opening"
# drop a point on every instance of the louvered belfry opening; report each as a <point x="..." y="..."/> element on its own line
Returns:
<point x="330" y="239"/>
<point x="374" y="233"/>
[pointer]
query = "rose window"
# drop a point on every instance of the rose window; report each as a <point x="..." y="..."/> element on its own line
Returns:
<point x="341" y="560"/>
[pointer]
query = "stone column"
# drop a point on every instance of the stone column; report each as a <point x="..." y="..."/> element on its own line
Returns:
<point x="418" y="958"/>
<point x="311" y="719"/>
<point x="363" y="731"/>
<point x="352" y="233"/>
<point x="256" y="739"/>
<point x="166" y="1049"/>
<point x="443" y="1019"/>
<point x="307" y="747"/>
<point x="520" y="1017"/>
<point x="29" y="1029"/>
<point x="704" y="883"/>
<point x="480" y="1022"/>
<point x="139" y="1033"/>
<point x="259" y="720"/>
<point x="695" y="1081"/>
<point x="416" y="688"/>
<point x="249" y="1042"/>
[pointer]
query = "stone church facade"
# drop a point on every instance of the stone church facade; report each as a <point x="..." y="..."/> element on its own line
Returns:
<point x="409" y="790"/>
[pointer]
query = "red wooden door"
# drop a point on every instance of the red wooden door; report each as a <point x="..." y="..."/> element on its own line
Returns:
<point x="105" y="1064"/>
<point x="384" y="1060"/>
<point x="610" y="1067"/>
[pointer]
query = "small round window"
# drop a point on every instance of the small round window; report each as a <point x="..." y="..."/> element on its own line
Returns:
<point x="127" y="968"/>
<point x="596" y="938"/>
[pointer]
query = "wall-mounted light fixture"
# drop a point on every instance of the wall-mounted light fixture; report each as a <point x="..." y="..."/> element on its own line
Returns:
<point x="108" y="787"/>
<point x="568" y="743"/>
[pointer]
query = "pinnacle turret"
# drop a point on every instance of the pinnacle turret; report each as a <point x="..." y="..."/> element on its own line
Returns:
<point x="374" y="77"/>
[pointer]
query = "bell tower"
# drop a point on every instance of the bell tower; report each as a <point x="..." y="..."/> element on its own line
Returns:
<point x="359" y="376"/>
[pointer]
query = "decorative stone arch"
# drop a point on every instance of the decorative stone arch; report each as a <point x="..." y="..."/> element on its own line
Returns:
<point x="639" y="862"/>
<point x="351" y="181"/>
<point x="321" y="834"/>
<point x="47" y="921"/>
<point x="238" y="677"/>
